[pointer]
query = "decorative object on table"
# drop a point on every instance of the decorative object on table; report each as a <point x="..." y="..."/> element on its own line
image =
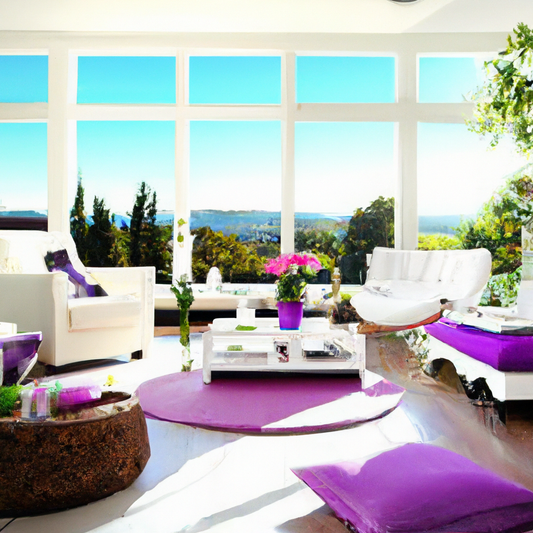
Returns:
<point x="214" y="280"/>
<point x="245" y="314"/>
<point x="294" y="271"/>
<point x="184" y="298"/>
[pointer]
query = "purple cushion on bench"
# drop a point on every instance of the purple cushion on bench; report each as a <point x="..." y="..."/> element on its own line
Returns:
<point x="420" y="488"/>
<point x="508" y="353"/>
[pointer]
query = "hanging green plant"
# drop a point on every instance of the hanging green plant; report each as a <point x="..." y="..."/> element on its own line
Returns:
<point x="504" y="105"/>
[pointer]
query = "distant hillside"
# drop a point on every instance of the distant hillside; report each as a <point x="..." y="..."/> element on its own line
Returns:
<point x="440" y="224"/>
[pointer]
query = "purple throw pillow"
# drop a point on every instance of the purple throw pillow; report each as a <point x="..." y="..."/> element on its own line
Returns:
<point x="59" y="261"/>
<point x="420" y="488"/>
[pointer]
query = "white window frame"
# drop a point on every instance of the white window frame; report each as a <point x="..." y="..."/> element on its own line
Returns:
<point x="62" y="112"/>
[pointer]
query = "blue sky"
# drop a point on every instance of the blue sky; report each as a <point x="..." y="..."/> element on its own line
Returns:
<point x="230" y="159"/>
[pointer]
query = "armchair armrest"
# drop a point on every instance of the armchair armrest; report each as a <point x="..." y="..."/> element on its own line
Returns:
<point x="138" y="281"/>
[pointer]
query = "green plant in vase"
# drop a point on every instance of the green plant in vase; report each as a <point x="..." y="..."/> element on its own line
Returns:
<point x="184" y="298"/>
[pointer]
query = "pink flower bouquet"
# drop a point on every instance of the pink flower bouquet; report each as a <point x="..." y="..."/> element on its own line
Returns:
<point x="294" y="272"/>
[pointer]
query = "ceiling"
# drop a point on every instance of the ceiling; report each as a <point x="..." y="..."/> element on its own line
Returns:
<point x="293" y="16"/>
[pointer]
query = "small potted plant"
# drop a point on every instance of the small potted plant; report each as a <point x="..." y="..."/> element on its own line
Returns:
<point x="294" y="271"/>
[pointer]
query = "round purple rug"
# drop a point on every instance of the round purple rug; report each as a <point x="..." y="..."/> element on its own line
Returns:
<point x="267" y="403"/>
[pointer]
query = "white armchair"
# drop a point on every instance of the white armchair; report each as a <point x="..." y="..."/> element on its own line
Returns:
<point x="74" y="328"/>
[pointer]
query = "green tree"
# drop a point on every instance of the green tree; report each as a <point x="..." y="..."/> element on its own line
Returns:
<point x="368" y="228"/>
<point x="237" y="262"/>
<point x="100" y="237"/>
<point x="323" y="243"/>
<point x="149" y="243"/>
<point x="504" y="105"/>
<point x="78" y="223"/>
<point x="499" y="222"/>
<point x="438" y="241"/>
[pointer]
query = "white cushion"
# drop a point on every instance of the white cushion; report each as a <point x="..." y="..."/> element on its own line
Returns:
<point x="406" y="287"/>
<point x="104" y="312"/>
<point x="388" y="311"/>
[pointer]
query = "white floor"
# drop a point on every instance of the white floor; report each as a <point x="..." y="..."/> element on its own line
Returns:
<point x="198" y="480"/>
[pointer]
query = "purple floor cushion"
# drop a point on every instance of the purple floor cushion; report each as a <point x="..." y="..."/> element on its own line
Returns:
<point x="267" y="402"/>
<point x="509" y="353"/>
<point x="420" y="488"/>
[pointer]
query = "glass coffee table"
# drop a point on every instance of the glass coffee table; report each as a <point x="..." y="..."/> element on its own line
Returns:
<point x="315" y="347"/>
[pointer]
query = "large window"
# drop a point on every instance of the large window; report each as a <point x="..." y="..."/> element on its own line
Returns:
<point x="345" y="79"/>
<point x="449" y="79"/>
<point x="234" y="80"/>
<point x="23" y="169"/>
<point x="342" y="169"/>
<point x="457" y="174"/>
<point x="126" y="167"/>
<point x="126" y="80"/>
<point x="268" y="142"/>
<point x="23" y="78"/>
<point x="235" y="196"/>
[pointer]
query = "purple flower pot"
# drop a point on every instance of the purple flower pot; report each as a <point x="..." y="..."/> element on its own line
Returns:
<point x="290" y="314"/>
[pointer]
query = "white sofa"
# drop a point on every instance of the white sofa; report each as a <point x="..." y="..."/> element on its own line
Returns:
<point x="405" y="287"/>
<point x="74" y="328"/>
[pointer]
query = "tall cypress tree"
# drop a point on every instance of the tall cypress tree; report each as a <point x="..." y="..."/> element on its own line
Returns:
<point x="78" y="223"/>
<point x="149" y="242"/>
<point x="100" y="238"/>
<point x="138" y="216"/>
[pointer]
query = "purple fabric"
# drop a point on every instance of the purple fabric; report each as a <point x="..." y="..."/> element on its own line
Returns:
<point x="509" y="353"/>
<point x="419" y="488"/>
<point x="76" y="395"/>
<point x="59" y="261"/>
<point x="290" y="314"/>
<point x="248" y="404"/>
<point x="18" y="348"/>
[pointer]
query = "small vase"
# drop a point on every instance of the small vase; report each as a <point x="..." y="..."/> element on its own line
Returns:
<point x="290" y="314"/>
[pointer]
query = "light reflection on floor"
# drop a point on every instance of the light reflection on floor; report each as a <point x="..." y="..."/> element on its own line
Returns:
<point x="199" y="480"/>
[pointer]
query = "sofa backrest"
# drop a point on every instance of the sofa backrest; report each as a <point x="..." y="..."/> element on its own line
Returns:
<point x="454" y="274"/>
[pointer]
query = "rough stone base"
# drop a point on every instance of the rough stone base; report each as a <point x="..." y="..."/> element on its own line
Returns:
<point x="53" y="465"/>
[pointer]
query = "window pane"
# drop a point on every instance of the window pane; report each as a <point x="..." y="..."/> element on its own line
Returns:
<point x="23" y="169"/>
<point x="342" y="168"/>
<point x="457" y="174"/>
<point x="234" y="80"/>
<point x="448" y="79"/>
<point x="126" y="80"/>
<point x="23" y="79"/>
<point x="235" y="188"/>
<point x="345" y="79"/>
<point x="114" y="158"/>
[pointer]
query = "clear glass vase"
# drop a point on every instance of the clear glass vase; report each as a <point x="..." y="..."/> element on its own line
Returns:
<point x="185" y="341"/>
